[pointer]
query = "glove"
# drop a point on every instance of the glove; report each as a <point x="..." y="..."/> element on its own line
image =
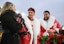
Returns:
<point x="22" y="20"/>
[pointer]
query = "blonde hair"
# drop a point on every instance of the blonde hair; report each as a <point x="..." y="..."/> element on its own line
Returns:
<point x="0" y="10"/>
<point x="5" y="6"/>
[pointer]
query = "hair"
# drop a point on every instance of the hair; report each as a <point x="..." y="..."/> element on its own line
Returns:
<point x="31" y="9"/>
<point x="0" y="10"/>
<point x="5" y="6"/>
<point x="46" y="11"/>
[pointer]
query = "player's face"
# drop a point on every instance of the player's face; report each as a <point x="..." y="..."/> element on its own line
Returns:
<point x="46" y="16"/>
<point x="31" y="13"/>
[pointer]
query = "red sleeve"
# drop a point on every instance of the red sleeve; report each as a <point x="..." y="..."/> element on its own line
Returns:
<point x="57" y="24"/>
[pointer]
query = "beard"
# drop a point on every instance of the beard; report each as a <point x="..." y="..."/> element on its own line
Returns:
<point x="46" y="18"/>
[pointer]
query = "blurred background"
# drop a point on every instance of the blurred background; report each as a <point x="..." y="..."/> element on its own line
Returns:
<point x="56" y="7"/>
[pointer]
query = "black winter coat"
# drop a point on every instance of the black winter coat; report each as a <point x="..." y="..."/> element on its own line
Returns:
<point x="10" y="27"/>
